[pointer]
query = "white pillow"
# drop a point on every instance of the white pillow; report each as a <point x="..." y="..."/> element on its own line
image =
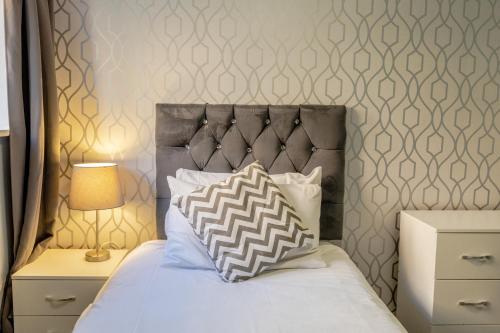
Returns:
<point x="305" y="198"/>
<point x="183" y="249"/>
<point x="209" y="178"/>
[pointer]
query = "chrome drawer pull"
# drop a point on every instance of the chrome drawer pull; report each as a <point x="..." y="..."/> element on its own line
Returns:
<point x="481" y="258"/>
<point x="481" y="304"/>
<point x="61" y="300"/>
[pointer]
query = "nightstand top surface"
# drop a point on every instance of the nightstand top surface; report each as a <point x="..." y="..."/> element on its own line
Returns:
<point x="458" y="220"/>
<point x="69" y="264"/>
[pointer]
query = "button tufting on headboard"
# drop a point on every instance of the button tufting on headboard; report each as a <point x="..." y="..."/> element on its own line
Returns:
<point x="225" y="138"/>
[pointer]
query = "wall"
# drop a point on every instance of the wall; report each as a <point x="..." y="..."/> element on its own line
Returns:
<point x="420" y="79"/>
<point x="5" y="216"/>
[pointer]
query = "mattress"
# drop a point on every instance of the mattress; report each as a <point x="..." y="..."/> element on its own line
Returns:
<point x="145" y="296"/>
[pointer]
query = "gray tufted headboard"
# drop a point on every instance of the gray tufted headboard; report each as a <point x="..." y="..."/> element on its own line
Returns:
<point x="224" y="138"/>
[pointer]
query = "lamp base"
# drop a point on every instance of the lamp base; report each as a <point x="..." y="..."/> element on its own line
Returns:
<point x="97" y="255"/>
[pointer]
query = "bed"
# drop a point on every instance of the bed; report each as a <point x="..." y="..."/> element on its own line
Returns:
<point x="145" y="295"/>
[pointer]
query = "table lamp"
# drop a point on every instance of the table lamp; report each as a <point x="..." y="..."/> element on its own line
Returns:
<point x="95" y="186"/>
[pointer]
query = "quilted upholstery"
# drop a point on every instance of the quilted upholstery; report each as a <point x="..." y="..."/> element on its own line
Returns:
<point x="225" y="138"/>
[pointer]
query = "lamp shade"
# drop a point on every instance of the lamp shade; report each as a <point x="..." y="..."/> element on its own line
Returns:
<point x="95" y="186"/>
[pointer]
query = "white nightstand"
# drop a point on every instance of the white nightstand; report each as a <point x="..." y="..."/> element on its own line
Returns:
<point x="449" y="271"/>
<point x="51" y="292"/>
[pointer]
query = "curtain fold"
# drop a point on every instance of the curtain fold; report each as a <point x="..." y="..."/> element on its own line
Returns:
<point x="34" y="135"/>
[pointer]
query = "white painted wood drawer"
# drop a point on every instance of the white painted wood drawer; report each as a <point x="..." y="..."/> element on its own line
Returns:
<point x="44" y="324"/>
<point x="449" y="293"/>
<point x="466" y="329"/>
<point x="47" y="297"/>
<point x="452" y="247"/>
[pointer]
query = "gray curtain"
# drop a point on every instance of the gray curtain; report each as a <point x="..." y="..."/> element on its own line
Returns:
<point x="34" y="137"/>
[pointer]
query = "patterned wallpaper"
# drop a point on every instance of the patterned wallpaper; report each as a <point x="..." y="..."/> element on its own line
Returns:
<point x="420" y="79"/>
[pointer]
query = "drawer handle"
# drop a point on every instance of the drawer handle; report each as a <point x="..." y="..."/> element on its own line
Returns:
<point x="481" y="258"/>
<point x="478" y="304"/>
<point x="60" y="300"/>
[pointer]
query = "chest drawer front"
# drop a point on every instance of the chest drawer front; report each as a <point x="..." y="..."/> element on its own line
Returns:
<point x="465" y="329"/>
<point x="458" y="302"/>
<point x="468" y="256"/>
<point x="44" y="324"/>
<point x="53" y="297"/>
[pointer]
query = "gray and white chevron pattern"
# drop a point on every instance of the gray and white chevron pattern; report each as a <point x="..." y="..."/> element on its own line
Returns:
<point x="245" y="223"/>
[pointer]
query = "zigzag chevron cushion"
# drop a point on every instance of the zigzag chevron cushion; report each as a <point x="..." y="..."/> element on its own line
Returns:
<point x="245" y="223"/>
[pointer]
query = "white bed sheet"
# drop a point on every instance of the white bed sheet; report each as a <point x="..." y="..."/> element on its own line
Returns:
<point x="144" y="296"/>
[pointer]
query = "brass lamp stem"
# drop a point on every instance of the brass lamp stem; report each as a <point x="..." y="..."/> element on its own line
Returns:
<point x="99" y="254"/>
<point x="97" y="245"/>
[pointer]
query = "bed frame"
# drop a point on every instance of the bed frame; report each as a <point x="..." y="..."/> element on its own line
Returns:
<point x="225" y="138"/>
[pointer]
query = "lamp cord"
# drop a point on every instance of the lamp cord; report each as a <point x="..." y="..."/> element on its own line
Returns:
<point x="110" y="245"/>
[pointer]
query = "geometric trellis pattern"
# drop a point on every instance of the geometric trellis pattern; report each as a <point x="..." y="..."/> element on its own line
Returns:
<point x="420" y="79"/>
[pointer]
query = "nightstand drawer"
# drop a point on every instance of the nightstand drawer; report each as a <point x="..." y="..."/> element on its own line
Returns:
<point x="468" y="256"/>
<point x="53" y="297"/>
<point x="466" y="329"/>
<point x="44" y="324"/>
<point x="458" y="302"/>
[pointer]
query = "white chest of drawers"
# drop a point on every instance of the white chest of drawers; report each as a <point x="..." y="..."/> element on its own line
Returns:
<point x="51" y="292"/>
<point x="449" y="271"/>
